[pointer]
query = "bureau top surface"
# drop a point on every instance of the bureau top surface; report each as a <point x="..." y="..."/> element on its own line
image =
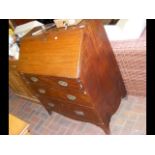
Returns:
<point x="55" y="52"/>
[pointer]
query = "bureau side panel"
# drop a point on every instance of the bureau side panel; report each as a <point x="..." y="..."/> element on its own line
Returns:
<point x="99" y="71"/>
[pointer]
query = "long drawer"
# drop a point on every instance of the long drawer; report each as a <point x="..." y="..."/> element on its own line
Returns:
<point x="58" y="92"/>
<point x="50" y="104"/>
<point x="80" y="113"/>
<point x="70" y="110"/>
<point x="55" y="82"/>
<point x="67" y="96"/>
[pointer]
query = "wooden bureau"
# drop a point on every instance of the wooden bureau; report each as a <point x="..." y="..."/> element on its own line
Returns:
<point x="73" y="72"/>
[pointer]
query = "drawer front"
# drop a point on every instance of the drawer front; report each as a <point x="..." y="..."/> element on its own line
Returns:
<point x="67" y="96"/>
<point x="53" y="90"/>
<point x="80" y="113"/>
<point x="72" y="111"/>
<point x="55" y="82"/>
<point x="50" y="104"/>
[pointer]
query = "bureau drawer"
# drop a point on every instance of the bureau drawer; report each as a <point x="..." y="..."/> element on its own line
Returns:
<point x="55" y="82"/>
<point x="65" y="96"/>
<point x="50" y="104"/>
<point x="80" y="113"/>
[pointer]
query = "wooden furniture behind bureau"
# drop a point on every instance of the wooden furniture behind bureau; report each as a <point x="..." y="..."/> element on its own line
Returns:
<point x="17" y="84"/>
<point x="74" y="72"/>
<point x="17" y="126"/>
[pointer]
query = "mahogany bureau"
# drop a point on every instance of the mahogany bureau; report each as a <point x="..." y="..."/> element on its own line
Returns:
<point x="74" y="72"/>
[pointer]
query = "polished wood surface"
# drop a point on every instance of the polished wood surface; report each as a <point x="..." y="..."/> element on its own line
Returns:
<point x="54" y="82"/>
<point x="52" y="88"/>
<point x="80" y="113"/>
<point x="99" y="71"/>
<point x="77" y="76"/>
<point x="53" y="53"/>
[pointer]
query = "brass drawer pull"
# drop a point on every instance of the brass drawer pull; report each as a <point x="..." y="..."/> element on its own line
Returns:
<point x="41" y="91"/>
<point x="81" y="86"/>
<point x="51" y="105"/>
<point x="85" y="92"/>
<point x="78" y="112"/>
<point x="63" y="83"/>
<point x="34" y="79"/>
<point x="71" y="97"/>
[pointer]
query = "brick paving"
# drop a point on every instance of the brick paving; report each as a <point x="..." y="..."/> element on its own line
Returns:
<point x="130" y="119"/>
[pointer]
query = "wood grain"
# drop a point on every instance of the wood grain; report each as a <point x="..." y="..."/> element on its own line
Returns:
<point x="46" y="55"/>
<point x="99" y="71"/>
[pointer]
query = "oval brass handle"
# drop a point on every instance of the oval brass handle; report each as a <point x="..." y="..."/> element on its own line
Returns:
<point x="78" y="112"/>
<point x="71" y="97"/>
<point x="63" y="83"/>
<point x="42" y="91"/>
<point x="81" y="86"/>
<point x="85" y="92"/>
<point x="34" y="79"/>
<point x="51" y="105"/>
